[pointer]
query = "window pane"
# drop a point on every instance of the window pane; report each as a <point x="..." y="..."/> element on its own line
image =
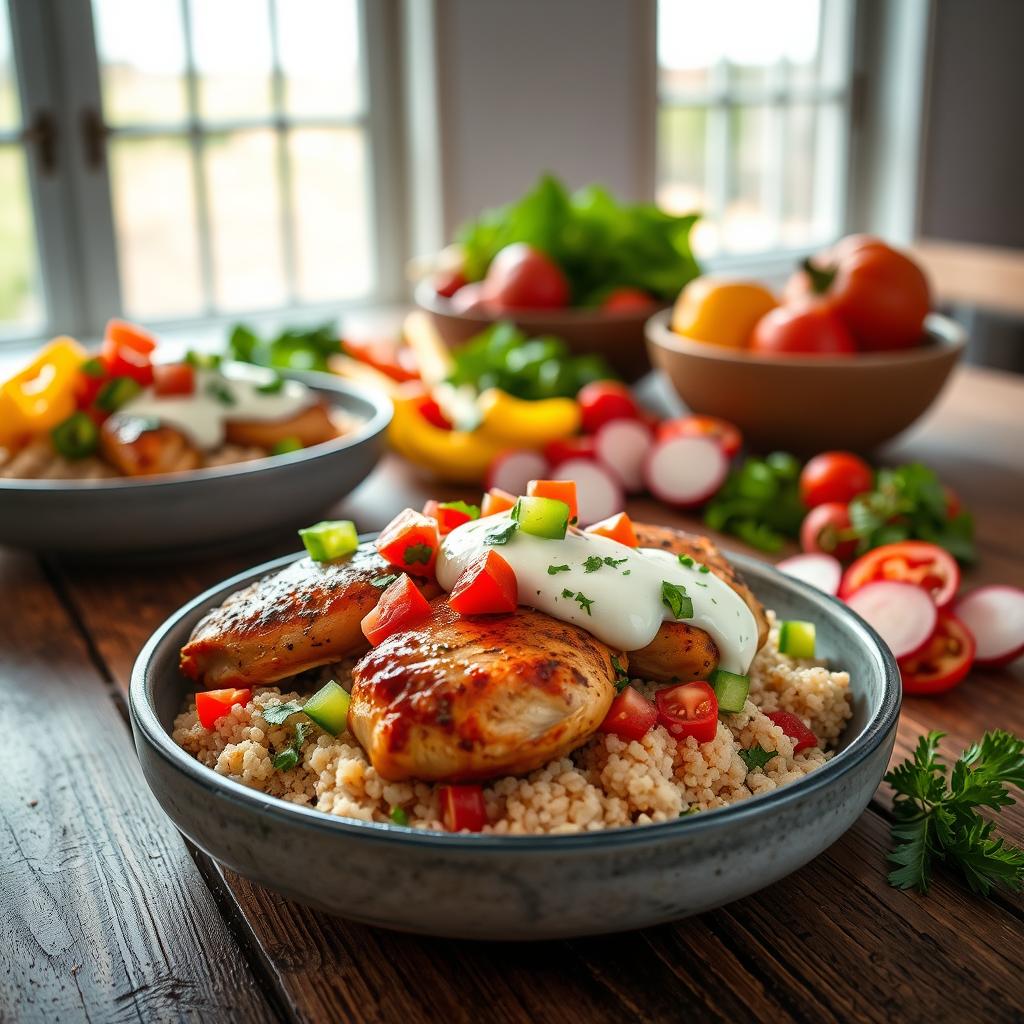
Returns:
<point x="142" y="60"/>
<point x="682" y="138"/>
<point x="331" y="207"/>
<point x="155" y="218"/>
<point x="318" y="43"/>
<point x="245" y="219"/>
<point x="20" y="306"/>
<point x="9" y="113"/>
<point x="747" y="225"/>
<point x="798" y="177"/>
<point x="233" y="55"/>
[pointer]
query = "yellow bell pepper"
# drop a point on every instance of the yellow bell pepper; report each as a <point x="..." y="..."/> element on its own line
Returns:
<point x="517" y="423"/>
<point x="721" y="312"/>
<point x="42" y="395"/>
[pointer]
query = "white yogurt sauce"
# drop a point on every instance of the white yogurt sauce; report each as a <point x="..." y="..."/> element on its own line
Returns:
<point x="627" y="608"/>
<point x="202" y="414"/>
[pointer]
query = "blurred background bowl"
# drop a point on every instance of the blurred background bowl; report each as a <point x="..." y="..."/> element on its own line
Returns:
<point x="617" y="336"/>
<point x="807" y="404"/>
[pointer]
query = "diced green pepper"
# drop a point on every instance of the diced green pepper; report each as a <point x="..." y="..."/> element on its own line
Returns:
<point x="328" y="707"/>
<point x="76" y="437"/>
<point x="286" y="445"/>
<point x="399" y="816"/>
<point x="542" y="517"/>
<point x="330" y="539"/>
<point x="116" y="393"/>
<point x="797" y="639"/>
<point x="730" y="688"/>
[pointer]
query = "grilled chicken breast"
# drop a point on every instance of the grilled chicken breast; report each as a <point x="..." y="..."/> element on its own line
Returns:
<point x="138" y="448"/>
<point x="479" y="697"/>
<point x="311" y="426"/>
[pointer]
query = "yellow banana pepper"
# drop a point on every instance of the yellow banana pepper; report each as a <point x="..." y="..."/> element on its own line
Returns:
<point x="517" y="423"/>
<point x="41" y="395"/>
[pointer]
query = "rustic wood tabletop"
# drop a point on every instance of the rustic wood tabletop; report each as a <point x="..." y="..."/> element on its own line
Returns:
<point x="106" y="913"/>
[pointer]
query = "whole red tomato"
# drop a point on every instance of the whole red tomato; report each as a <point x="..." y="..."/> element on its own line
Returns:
<point x="834" y="476"/>
<point x="521" y="277"/>
<point x="806" y="329"/>
<point x="881" y="295"/>
<point x="602" y="401"/>
<point x="624" y="300"/>
<point x="821" y="527"/>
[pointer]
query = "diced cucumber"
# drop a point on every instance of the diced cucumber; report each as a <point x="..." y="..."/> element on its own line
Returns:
<point x="328" y="707"/>
<point x="797" y="639"/>
<point x="542" y="517"/>
<point x="730" y="688"/>
<point x="330" y="539"/>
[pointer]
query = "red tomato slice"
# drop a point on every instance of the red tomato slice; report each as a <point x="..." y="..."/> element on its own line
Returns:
<point x="123" y="361"/>
<point x="174" y="379"/>
<point x="122" y="334"/>
<point x="910" y="561"/>
<point x="410" y="542"/>
<point x="725" y="433"/>
<point x="945" y="660"/>
<point x="560" y="490"/>
<point x="462" y="808"/>
<point x="630" y="716"/>
<point x="214" y="704"/>
<point x="617" y="527"/>
<point x="487" y="586"/>
<point x="495" y="501"/>
<point x="795" y="729"/>
<point x="401" y="606"/>
<point x="689" y="709"/>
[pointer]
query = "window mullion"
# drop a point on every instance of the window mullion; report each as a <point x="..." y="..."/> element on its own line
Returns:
<point x="285" y="183"/>
<point x="718" y="148"/>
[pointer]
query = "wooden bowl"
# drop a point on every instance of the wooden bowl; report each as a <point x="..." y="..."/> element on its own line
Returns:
<point x="807" y="404"/>
<point x="618" y="337"/>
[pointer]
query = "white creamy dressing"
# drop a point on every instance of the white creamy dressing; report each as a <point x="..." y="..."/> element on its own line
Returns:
<point x="626" y="609"/>
<point x="219" y="397"/>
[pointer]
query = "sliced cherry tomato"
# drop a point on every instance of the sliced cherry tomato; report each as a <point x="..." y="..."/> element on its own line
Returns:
<point x="122" y="334"/>
<point x="462" y="808"/>
<point x="821" y="528"/>
<point x="910" y="561"/>
<point x="560" y="490"/>
<point x="212" y="705"/>
<point x="617" y="527"/>
<point x="410" y="542"/>
<point x="725" y="433"/>
<point x="400" y="607"/>
<point x="566" y="448"/>
<point x="433" y="414"/>
<point x="496" y="500"/>
<point x="602" y="401"/>
<point x="630" y="716"/>
<point x="689" y="709"/>
<point x="174" y="379"/>
<point x="945" y="660"/>
<point x="834" y="476"/>
<point x="795" y="729"/>
<point x="487" y="586"/>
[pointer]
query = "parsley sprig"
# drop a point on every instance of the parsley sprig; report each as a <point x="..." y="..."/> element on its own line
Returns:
<point x="939" y="820"/>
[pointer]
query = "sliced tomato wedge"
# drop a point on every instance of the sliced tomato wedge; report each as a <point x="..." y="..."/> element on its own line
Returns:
<point x="174" y="379"/>
<point x="400" y="607"/>
<point x="617" y="527"/>
<point x="410" y="542"/>
<point x="630" y="716"/>
<point x="911" y="561"/>
<point x="212" y="705"/>
<point x="560" y="490"/>
<point x="725" y="433"/>
<point x="689" y="709"/>
<point x="496" y="500"/>
<point x="462" y="808"/>
<point x="487" y="586"/>
<point x="801" y="736"/>
<point x="945" y="660"/>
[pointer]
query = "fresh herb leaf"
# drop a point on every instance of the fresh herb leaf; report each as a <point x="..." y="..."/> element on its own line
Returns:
<point x="626" y="572"/>
<point x="555" y="569"/>
<point x="473" y="511"/>
<point x="418" y="553"/>
<point x="757" y="757"/>
<point x="501" y="535"/>
<point x="219" y="390"/>
<point x="584" y="602"/>
<point x="704" y="568"/>
<point x="566" y="592"/>
<point x="593" y="563"/>
<point x="288" y="758"/>
<point x="675" y="599"/>
<point x="687" y="561"/>
<point x="621" y="675"/>
<point x="614" y="562"/>
<point x="295" y="348"/>
<point x="202" y="360"/>
<point x="272" y="386"/>
<point x="384" y="581"/>
<point x="280" y="712"/>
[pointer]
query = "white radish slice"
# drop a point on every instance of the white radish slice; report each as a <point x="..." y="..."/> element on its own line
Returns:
<point x="820" y="570"/>
<point x="622" y="447"/>
<point x="513" y="470"/>
<point x="995" y="615"/>
<point x="598" y="493"/>
<point x="685" y="471"/>
<point x="904" y="615"/>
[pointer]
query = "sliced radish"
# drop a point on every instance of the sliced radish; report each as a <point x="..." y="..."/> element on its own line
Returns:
<point x="995" y="615"/>
<point x="513" y="470"/>
<point x="622" y="447"/>
<point x="685" y="471"/>
<point x="904" y="614"/>
<point x="820" y="570"/>
<point x="597" y="491"/>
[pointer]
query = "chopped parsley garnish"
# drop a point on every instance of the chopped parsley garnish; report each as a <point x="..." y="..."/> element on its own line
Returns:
<point x="593" y="563"/>
<point x="117" y="392"/>
<point x="567" y="592"/>
<point x="584" y="602"/>
<point x="757" y="757"/>
<point x="621" y="675"/>
<point x="613" y="562"/>
<point x="285" y="760"/>
<point x="384" y="581"/>
<point x="687" y="561"/>
<point x="219" y="390"/>
<point x="418" y="553"/>
<point x="554" y="569"/>
<point x="279" y="712"/>
<point x="626" y="572"/>
<point x="271" y="387"/>
<point x="704" y="568"/>
<point x="202" y="360"/>
<point x="473" y="511"/>
<point x="399" y="816"/>
<point x="501" y="535"/>
<point x="675" y="599"/>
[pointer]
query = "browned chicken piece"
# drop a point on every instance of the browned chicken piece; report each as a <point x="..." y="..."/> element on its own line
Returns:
<point x="479" y="697"/>
<point x="136" y="446"/>
<point x="681" y="652"/>
<point x="312" y="425"/>
<point x="307" y="614"/>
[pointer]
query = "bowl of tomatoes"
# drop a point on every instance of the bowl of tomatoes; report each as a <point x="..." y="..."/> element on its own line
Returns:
<point x="849" y="355"/>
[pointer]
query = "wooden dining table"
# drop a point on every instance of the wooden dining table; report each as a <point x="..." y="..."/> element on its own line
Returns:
<point x="108" y="914"/>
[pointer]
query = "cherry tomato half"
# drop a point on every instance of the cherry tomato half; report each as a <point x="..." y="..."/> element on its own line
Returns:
<point x="689" y="709"/>
<point x="945" y="660"/>
<point x="910" y="561"/>
<point x="602" y="401"/>
<point x="727" y="435"/>
<point x="834" y="476"/>
<point x="630" y="716"/>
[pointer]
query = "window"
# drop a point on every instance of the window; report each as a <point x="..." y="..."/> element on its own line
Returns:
<point x="753" y="113"/>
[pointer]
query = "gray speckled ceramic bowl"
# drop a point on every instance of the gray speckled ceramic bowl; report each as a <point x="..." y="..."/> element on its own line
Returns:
<point x="541" y="887"/>
<point x="207" y="507"/>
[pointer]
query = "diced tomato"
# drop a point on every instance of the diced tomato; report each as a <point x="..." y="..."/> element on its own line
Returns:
<point x="462" y="808"/>
<point x="910" y="561"/>
<point x="410" y="542"/>
<point x="214" y="704"/>
<point x="400" y="607"/>
<point x="945" y="660"/>
<point x="726" y="434"/>
<point x="795" y="729"/>
<point x="617" y="527"/>
<point x="122" y="334"/>
<point x="487" y="586"/>
<point x="496" y="500"/>
<point x="560" y="490"/>
<point x="689" y="709"/>
<point x="390" y="357"/>
<point x="630" y="716"/>
<point x="92" y="375"/>
<point x="445" y="515"/>
<point x="433" y="414"/>
<point x="566" y="448"/>
<point x="123" y="361"/>
<point x="174" y="379"/>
